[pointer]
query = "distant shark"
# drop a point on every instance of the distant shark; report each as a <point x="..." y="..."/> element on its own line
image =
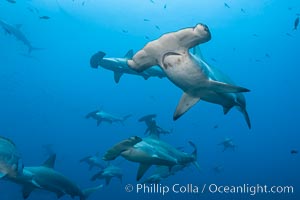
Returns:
<point x="119" y="66"/>
<point x="171" y="53"/>
<point x="101" y="116"/>
<point x="93" y="161"/>
<point x="44" y="177"/>
<point x="228" y="144"/>
<point x="108" y="173"/>
<point x="150" y="151"/>
<point x="9" y="158"/>
<point x="19" y="35"/>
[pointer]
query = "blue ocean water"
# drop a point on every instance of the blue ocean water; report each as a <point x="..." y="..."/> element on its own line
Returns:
<point x="46" y="94"/>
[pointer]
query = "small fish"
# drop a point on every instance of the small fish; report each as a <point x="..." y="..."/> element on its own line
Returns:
<point x="287" y="34"/>
<point x="146" y="20"/>
<point x="213" y="59"/>
<point x="83" y="3"/>
<point x="267" y="55"/>
<point x="44" y="17"/>
<point x="294" y="151"/>
<point x="257" y="60"/>
<point x="226" y="5"/>
<point x="216" y="126"/>
<point x="11" y="1"/>
<point x="242" y="10"/>
<point x="152" y="1"/>
<point x="146" y="37"/>
<point x="157" y="27"/>
<point x="165" y="6"/>
<point x="124" y="31"/>
<point x="255" y="35"/>
<point x="296" y="23"/>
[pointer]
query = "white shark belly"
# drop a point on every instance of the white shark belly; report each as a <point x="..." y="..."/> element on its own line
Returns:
<point x="186" y="74"/>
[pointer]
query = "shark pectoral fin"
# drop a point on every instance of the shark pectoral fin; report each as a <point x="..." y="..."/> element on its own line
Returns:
<point x="226" y="109"/>
<point x="107" y="180"/>
<point x="225" y="88"/>
<point x="117" y="76"/>
<point x="142" y="170"/>
<point x="185" y="103"/>
<point x="26" y="191"/>
<point x="129" y="54"/>
<point x="36" y="184"/>
<point x="87" y="192"/>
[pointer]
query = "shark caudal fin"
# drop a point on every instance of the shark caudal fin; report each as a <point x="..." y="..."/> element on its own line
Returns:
<point x="245" y="114"/>
<point x="87" y="192"/>
<point x="96" y="59"/>
<point x="195" y="155"/>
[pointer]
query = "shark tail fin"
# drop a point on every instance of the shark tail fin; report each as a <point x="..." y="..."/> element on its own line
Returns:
<point x="195" y="155"/>
<point x="245" y="114"/>
<point x="87" y="192"/>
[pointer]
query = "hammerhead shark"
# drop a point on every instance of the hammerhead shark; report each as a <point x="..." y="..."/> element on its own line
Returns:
<point x="9" y="158"/>
<point x="44" y="177"/>
<point x="171" y="53"/>
<point x="100" y="116"/>
<point x="93" y="161"/>
<point x="108" y="173"/>
<point x="150" y="151"/>
<point x="19" y="35"/>
<point x="119" y="66"/>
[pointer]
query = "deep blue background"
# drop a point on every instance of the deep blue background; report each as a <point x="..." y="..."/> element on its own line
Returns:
<point x="44" y="98"/>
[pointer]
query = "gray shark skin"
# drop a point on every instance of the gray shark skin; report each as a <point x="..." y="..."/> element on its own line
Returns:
<point x="93" y="161"/>
<point x="119" y="66"/>
<point x="108" y="173"/>
<point x="101" y="116"/>
<point x="171" y="53"/>
<point x="9" y="158"/>
<point x="44" y="177"/>
<point x="226" y="100"/>
<point x="150" y="151"/>
<point x="16" y="31"/>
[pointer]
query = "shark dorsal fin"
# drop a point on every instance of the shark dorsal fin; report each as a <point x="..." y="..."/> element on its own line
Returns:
<point x="197" y="52"/>
<point x="50" y="162"/>
<point x="129" y="54"/>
